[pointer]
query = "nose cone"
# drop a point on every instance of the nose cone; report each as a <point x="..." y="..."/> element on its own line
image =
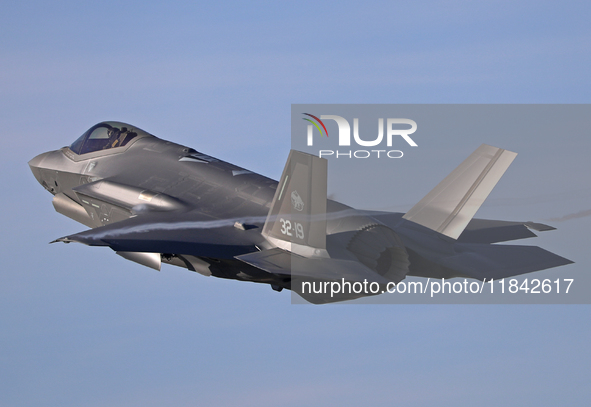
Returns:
<point x="36" y="165"/>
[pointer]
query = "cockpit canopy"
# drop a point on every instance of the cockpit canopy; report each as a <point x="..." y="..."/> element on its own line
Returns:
<point x="104" y="136"/>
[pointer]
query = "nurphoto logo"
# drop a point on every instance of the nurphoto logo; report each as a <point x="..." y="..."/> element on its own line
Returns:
<point x="344" y="138"/>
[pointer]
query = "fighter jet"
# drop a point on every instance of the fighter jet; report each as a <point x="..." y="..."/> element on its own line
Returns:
<point x="153" y="201"/>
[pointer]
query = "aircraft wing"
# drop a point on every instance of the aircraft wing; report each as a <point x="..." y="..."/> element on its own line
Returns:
<point x="279" y="261"/>
<point x="185" y="233"/>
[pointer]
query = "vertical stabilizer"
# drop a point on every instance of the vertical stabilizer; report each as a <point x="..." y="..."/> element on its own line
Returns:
<point x="298" y="210"/>
<point x="449" y="207"/>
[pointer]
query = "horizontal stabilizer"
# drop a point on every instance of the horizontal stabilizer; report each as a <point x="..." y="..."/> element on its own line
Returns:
<point x="278" y="261"/>
<point x="449" y="207"/>
<point x="492" y="231"/>
<point x="500" y="261"/>
<point x="479" y="230"/>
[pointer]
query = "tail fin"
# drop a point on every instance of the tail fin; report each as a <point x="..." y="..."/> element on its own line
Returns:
<point x="298" y="210"/>
<point x="449" y="207"/>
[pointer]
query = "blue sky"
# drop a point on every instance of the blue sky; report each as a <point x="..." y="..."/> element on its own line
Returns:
<point x="80" y="326"/>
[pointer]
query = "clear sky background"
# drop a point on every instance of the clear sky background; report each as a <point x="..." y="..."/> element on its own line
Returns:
<point x="81" y="326"/>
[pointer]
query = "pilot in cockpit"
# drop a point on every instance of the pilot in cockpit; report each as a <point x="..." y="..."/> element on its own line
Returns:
<point x="116" y="137"/>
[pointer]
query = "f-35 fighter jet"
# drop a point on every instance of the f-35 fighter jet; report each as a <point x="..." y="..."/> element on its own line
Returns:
<point x="153" y="201"/>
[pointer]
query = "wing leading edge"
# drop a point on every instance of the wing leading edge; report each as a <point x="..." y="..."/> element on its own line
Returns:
<point x="186" y="233"/>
